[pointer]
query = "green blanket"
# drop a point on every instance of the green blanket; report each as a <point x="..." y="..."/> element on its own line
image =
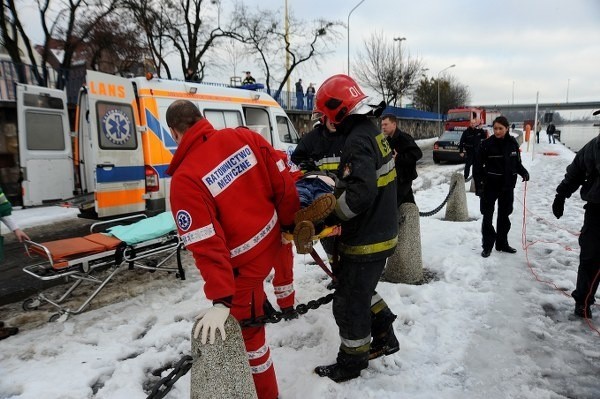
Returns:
<point x="145" y="229"/>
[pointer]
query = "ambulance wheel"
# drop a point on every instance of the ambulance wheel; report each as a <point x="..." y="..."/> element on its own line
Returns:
<point x="31" y="304"/>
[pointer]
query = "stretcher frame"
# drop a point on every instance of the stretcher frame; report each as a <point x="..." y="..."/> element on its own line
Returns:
<point x="81" y="268"/>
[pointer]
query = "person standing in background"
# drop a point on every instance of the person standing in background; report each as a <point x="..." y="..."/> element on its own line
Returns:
<point x="469" y="144"/>
<point x="406" y="153"/>
<point x="299" y="95"/>
<point x="497" y="164"/>
<point x="310" y="95"/>
<point x="6" y="218"/>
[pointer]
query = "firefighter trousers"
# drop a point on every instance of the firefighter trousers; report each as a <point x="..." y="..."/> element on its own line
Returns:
<point x="589" y="258"/>
<point x="505" y="200"/>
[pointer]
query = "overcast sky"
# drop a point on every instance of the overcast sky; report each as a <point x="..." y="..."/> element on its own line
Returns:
<point x="550" y="46"/>
<point x="540" y="45"/>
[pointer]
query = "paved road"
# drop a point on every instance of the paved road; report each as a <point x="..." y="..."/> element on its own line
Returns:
<point x="16" y="285"/>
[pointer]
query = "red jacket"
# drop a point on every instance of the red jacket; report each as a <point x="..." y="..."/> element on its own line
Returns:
<point x="230" y="193"/>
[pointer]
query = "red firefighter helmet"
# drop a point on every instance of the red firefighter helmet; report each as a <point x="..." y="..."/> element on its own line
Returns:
<point x="338" y="97"/>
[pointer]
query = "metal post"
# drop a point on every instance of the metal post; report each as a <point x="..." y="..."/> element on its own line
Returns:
<point x="287" y="54"/>
<point x="399" y="40"/>
<point x="350" y="13"/>
<point x="438" y="95"/>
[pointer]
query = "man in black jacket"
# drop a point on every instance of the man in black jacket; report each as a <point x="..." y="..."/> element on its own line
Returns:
<point x="469" y="143"/>
<point x="366" y="206"/>
<point x="550" y="130"/>
<point x="497" y="164"/>
<point x="406" y="154"/>
<point x="584" y="171"/>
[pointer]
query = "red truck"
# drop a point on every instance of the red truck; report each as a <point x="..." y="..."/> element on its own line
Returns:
<point x="462" y="117"/>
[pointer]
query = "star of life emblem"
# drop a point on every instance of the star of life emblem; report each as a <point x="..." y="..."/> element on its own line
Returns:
<point x="184" y="220"/>
<point x="116" y="126"/>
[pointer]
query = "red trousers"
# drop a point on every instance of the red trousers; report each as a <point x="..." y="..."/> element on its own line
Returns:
<point x="248" y="301"/>
<point x="283" y="280"/>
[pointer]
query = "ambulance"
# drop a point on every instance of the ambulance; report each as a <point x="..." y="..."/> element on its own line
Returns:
<point x="115" y="161"/>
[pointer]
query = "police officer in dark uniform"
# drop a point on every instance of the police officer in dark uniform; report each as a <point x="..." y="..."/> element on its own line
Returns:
<point x="366" y="206"/>
<point x="584" y="171"/>
<point x="469" y="144"/>
<point x="497" y="164"/>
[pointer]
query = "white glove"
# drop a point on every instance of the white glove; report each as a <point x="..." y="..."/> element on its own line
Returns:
<point x="211" y="319"/>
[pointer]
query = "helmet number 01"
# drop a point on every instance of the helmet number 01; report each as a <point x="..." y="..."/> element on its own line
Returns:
<point x="354" y="91"/>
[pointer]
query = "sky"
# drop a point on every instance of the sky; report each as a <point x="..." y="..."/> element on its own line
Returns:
<point x="482" y="328"/>
<point x="504" y="51"/>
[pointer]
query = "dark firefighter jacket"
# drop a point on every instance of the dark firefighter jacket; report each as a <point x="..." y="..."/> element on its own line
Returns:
<point x="319" y="149"/>
<point x="366" y="192"/>
<point x="584" y="171"/>
<point x="471" y="138"/>
<point x="407" y="155"/>
<point x="497" y="164"/>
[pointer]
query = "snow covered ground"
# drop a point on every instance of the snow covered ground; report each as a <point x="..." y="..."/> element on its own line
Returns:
<point x="484" y="328"/>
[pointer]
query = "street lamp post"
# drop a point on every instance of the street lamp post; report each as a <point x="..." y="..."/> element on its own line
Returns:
<point x="568" y="83"/>
<point x="438" y="85"/>
<point x="399" y="40"/>
<point x="350" y="13"/>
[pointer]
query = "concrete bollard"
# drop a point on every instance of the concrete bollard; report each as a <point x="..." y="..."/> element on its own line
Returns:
<point x="221" y="370"/>
<point x="472" y="187"/>
<point x="456" y="208"/>
<point x="406" y="264"/>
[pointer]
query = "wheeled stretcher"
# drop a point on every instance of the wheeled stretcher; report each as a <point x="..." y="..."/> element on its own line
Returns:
<point x="146" y="244"/>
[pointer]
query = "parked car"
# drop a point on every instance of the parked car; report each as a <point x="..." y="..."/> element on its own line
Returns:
<point x="446" y="147"/>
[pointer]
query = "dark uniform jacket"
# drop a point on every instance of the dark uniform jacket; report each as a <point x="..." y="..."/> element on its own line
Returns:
<point x="497" y="164"/>
<point x="471" y="139"/>
<point x="407" y="155"/>
<point x="584" y="171"/>
<point x="319" y="149"/>
<point x="366" y="192"/>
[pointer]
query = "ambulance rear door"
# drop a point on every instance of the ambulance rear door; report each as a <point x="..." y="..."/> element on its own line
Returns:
<point x="114" y="151"/>
<point x="45" y="153"/>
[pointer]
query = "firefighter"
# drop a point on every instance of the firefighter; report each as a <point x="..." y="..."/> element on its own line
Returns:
<point x="584" y="171"/>
<point x="366" y="209"/>
<point x="230" y="194"/>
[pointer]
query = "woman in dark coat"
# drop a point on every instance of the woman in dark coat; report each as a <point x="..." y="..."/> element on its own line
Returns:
<point x="496" y="167"/>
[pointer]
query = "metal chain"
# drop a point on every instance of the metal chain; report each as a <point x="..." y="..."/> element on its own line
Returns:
<point x="276" y="317"/>
<point x="163" y="386"/>
<point x="184" y="365"/>
<point x="436" y="210"/>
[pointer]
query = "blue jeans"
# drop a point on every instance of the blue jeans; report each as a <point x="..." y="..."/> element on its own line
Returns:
<point x="299" y="101"/>
<point x="309" y="102"/>
<point x="311" y="189"/>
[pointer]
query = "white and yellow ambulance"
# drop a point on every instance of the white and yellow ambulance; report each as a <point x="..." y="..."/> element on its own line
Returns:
<point x="122" y="145"/>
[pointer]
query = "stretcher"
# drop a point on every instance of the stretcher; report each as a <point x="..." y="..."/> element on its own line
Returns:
<point x="145" y="244"/>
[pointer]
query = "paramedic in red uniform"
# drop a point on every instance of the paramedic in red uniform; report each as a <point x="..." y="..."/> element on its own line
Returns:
<point x="230" y="195"/>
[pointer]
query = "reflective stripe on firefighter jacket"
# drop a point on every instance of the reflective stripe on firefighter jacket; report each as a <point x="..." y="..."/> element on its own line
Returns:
<point x="230" y="192"/>
<point x="319" y="148"/>
<point x="366" y="192"/>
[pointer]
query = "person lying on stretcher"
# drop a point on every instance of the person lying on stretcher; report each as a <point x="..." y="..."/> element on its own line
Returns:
<point x="317" y="201"/>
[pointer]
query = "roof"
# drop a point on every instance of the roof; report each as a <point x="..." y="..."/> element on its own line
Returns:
<point x="411" y="113"/>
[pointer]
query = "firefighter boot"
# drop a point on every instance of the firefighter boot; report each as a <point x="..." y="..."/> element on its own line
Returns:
<point x="384" y="340"/>
<point x="318" y="210"/>
<point x="347" y="367"/>
<point x="303" y="236"/>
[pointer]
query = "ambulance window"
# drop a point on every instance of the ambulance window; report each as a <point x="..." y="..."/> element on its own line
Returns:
<point x="44" y="131"/>
<point x="257" y="119"/>
<point x="221" y="119"/>
<point x="287" y="133"/>
<point x="116" y="127"/>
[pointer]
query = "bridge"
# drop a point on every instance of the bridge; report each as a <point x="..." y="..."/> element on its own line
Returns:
<point x="544" y="106"/>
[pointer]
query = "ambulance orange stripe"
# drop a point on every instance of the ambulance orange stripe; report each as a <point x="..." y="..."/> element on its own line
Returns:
<point x="117" y="198"/>
<point x="207" y="97"/>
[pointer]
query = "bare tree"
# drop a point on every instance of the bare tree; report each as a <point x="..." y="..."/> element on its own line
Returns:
<point x="385" y="69"/>
<point x="265" y="33"/>
<point x="230" y="56"/>
<point x="452" y="94"/>
<point x="115" y="46"/>
<point x="12" y="32"/>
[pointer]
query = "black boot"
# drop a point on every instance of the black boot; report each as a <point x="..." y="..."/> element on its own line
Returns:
<point x="583" y="311"/>
<point x="347" y="367"/>
<point x="384" y="340"/>
<point x="6" y="332"/>
<point x="506" y="248"/>
<point x="486" y="252"/>
<point x="384" y="344"/>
